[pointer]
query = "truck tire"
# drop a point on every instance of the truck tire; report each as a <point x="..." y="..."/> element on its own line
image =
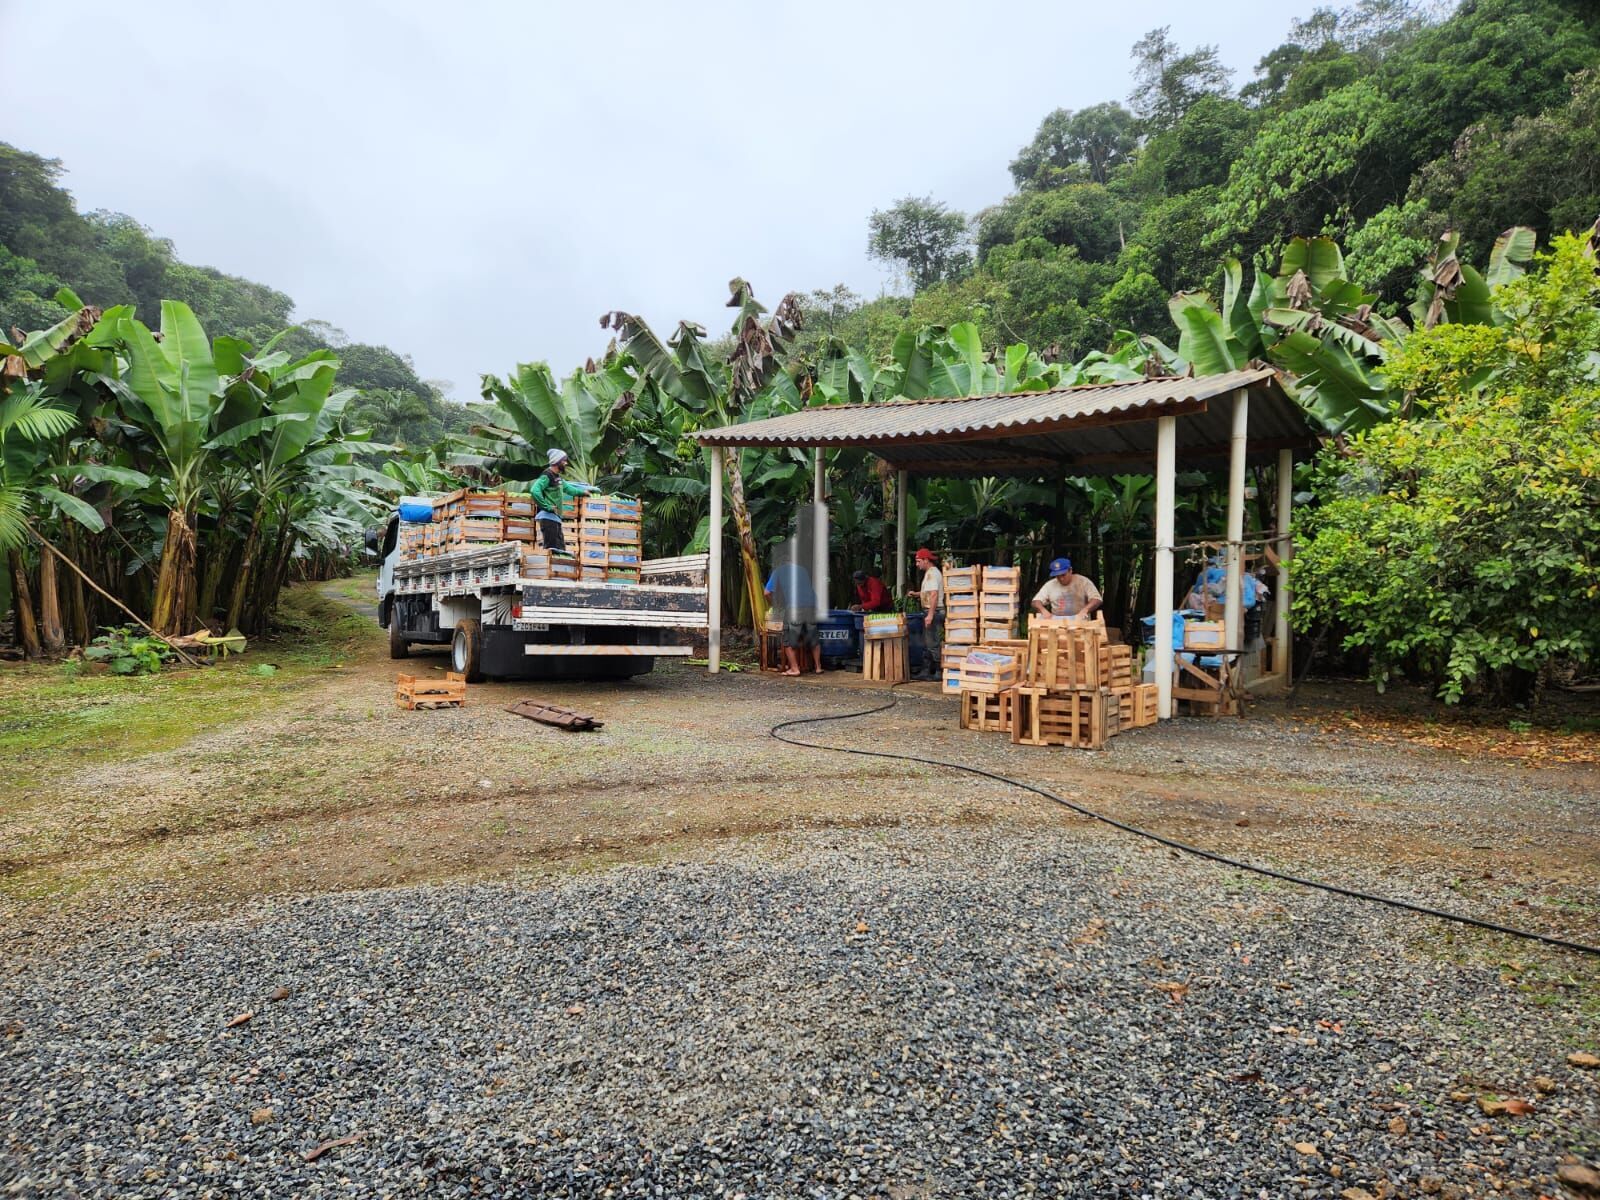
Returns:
<point x="399" y="646"/>
<point x="465" y="649"/>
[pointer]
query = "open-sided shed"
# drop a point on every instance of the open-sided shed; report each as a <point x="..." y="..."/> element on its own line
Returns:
<point x="1207" y="423"/>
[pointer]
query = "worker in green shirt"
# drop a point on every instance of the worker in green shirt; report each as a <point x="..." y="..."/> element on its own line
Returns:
<point x="548" y="491"/>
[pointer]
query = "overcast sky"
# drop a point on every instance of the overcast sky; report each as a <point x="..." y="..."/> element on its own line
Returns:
<point x="474" y="183"/>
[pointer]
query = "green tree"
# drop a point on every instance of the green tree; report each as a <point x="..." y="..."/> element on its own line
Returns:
<point x="1167" y="81"/>
<point x="923" y="236"/>
<point x="1459" y="545"/>
<point x="1076" y="147"/>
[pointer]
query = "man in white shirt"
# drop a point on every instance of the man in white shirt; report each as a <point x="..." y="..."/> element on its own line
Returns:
<point x="1065" y="594"/>
<point x="932" y="593"/>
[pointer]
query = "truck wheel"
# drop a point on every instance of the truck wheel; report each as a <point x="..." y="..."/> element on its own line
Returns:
<point x="399" y="645"/>
<point x="465" y="647"/>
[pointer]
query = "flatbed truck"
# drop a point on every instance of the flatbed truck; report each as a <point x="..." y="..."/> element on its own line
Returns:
<point x="501" y="624"/>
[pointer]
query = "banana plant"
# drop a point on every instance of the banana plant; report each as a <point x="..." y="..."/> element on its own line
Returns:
<point x="172" y="389"/>
<point x="586" y="415"/>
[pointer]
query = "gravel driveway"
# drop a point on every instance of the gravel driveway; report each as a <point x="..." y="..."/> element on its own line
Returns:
<point x="903" y="1013"/>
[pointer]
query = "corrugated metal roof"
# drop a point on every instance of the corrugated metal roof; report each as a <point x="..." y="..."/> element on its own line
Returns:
<point x="1093" y="429"/>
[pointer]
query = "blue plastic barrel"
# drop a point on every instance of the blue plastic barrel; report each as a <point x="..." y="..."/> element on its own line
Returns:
<point x="416" y="511"/>
<point x="840" y="634"/>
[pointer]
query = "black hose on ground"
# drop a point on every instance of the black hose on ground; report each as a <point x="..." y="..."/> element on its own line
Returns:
<point x="1172" y="843"/>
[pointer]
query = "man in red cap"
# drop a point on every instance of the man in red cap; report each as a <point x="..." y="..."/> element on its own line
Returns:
<point x="932" y="593"/>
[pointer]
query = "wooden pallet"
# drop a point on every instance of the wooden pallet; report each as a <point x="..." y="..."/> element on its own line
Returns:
<point x="886" y="659"/>
<point x="412" y="692"/>
<point x="553" y="714"/>
<point x="989" y="712"/>
<point x="1083" y="720"/>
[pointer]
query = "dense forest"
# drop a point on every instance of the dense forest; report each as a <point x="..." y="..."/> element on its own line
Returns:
<point x="108" y="259"/>
<point x="1381" y="125"/>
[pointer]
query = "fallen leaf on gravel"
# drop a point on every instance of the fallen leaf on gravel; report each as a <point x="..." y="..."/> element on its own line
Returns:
<point x="1583" y="1060"/>
<point x="1092" y="932"/>
<point x="1245" y="1077"/>
<point x="1397" y="1125"/>
<point x="1544" y="1084"/>
<point x="278" y="993"/>
<point x="13" y="1029"/>
<point x="575" y="1010"/>
<point x="261" y="1116"/>
<point x="239" y="1020"/>
<point x="1175" y="991"/>
<point x="1354" y="1193"/>
<point x="861" y="927"/>
<point x="317" y="1152"/>
<point x="1504" y="1108"/>
<point x="1306" y="1148"/>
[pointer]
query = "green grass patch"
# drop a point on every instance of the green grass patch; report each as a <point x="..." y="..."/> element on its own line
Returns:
<point x="92" y="716"/>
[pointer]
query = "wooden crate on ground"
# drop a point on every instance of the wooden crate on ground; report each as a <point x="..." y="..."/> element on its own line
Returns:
<point x="1082" y="719"/>
<point x="1145" y="698"/>
<point x="1097" y="621"/>
<point x="1116" y="667"/>
<point x="950" y="662"/>
<point x="1125" y="705"/>
<point x="886" y="659"/>
<point x="986" y="670"/>
<point x="412" y="692"/>
<point x="960" y="581"/>
<point x="990" y="712"/>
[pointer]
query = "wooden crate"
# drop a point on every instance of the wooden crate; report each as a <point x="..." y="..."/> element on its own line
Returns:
<point x="997" y="606"/>
<point x="519" y="529"/>
<point x="480" y="530"/>
<point x="1204" y="635"/>
<point x="1125" y="705"/>
<point x="1064" y="658"/>
<point x="1097" y="621"/>
<point x="990" y="671"/>
<point x="519" y="504"/>
<point x="483" y="504"/>
<point x="1084" y="719"/>
<point x="961" y="580"/>
<point x="990" y="712"/>
<point x="1116" y="666"/>
<point x="883" y="625"/>
<point x="961" y="632"/>
<point x="607" y="507"/>
<point x="1002" y="579"/>
<point x="412" y="692"/>
<point x="616" y="574"/>
<point x="1145" y="699"/>
<point x="886" y="659"/>
<point x="991" y="631"/>
<point x="961" y="608"/>
<point x="563" y="567"/>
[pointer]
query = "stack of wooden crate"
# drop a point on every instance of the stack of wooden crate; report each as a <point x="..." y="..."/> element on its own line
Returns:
<point x="961" y="606"/>
<point x="1065" y="684"/>
<point x="609" y="539"/>
<point x="998" y="602"/>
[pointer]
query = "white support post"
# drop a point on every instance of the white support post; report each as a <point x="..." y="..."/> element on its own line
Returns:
<point x="899" y="533"/>
<point x="1166" y="504"/>
<point x="1283" y="639"/>
<point x="1233" y="598"/>
<point x="819" y="549"/>
<point x="714" y="576"/>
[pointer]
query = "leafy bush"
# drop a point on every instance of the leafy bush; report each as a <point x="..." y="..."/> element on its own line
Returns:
<point x="127" y="652"/>
<point x="1462" y="545"/>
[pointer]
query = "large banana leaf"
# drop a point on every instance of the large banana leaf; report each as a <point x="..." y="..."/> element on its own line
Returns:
<point x="1513" y="251"/>
<point x="1242" y="326"/>
<point x="1203" y="340"/>
<point x="1319" y="258"/>
<point x="1332" y="384"/>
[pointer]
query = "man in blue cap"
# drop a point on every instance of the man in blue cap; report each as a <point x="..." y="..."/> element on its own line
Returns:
<point x="1065" y="594"/>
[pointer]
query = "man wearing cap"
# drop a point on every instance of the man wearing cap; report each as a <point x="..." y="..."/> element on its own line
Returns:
<point x="1065" y="594"/>
<point x="931" y="591"/>
<point x="548" y="490"/>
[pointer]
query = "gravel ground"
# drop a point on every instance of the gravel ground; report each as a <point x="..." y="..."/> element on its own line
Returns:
<point x="902" y="1013"/>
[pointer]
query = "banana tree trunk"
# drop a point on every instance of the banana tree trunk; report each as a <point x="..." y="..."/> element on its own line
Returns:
<point x="886" y="477"/>
<point x="241" y="579"/>
<point x="22" y="604"/>
<point x="173" y="609"/>
<point x="77" y="599"/>
<point x="51" y="631"/>
<point x="751" y="562"/>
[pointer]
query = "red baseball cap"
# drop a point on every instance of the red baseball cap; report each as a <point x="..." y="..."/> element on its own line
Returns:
<point x="924" y="553"/>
